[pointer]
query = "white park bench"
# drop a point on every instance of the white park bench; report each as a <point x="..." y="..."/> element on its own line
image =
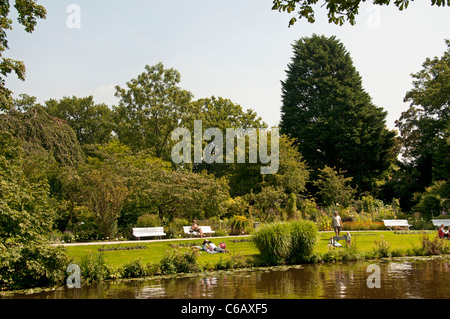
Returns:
<point x="439" y="222"/>
<point x="148" y="232"/>
<point x="205" y="229"/>
<point x="389" y="223"/>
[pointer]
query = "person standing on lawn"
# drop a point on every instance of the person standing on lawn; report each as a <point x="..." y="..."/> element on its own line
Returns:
<point x="337" y="223"/>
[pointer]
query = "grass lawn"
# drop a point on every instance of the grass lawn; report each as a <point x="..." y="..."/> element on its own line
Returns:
<point x="364" y="241"/>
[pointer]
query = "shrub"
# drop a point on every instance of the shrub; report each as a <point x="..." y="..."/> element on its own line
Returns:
<point x="345" y="254"/>
<point x="239" y="224"/>
<point x="308" y="208"/>
<point x="178" y="261"/>
<point x="133" y="269"/>
<point x="148" y="220"/>
<point x="93" y="267"/>
<point x="67" y="237"/>
<point x="34" y="265"/>
<point x="382" y="248"/>
<point x="435" y="246"/>
<point x="303" y="239"/>
<point x="420" y="224"/>
<point x="285" y="242"/>
<point x="175" y="227"/>
<point x="323" y="222"/>
<point x="274" y="242"/>
<point x="238" y="261"/>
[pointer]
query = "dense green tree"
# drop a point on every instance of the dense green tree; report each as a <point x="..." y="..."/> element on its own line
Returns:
<point x="334" y="187"/>
<point x="331" y="116"/>
<point x="425" y="126"/>
<point x="338" y="10"/>
<point x="434" y="200"/>
<point x="268" y="203"/>
<point x="150" y="108"/>
<point x="40" y="132"/>
<point x="104" y="192"/>
<point x="24" y="102"/>
<point x="26" y="217"/>
<point x="221" y="113"/>
<point x="292" y="174"/>
<point x="28" y="13"/>
<point x="92" y="123"/>
<point x="153" y="187"/>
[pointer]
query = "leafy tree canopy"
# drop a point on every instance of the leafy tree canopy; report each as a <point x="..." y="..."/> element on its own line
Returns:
<point x="150" y="108"/>
<point x="39" y="131"/>
<point x="91" y="122"/>
<point x="425" y="126"/>
<point x="338" y="10"/>
<point x="28" y="13"/>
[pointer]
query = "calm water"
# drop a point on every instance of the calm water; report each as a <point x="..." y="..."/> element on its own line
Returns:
<point x="405" y="278"/>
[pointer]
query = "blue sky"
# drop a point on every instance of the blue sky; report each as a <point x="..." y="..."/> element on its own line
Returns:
<point x="233" y="49"/>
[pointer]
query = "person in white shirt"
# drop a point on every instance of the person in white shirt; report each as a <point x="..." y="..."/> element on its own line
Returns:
<point x="337" y="223"/>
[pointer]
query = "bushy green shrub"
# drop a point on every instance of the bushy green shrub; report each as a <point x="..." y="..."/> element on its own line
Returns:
<point x="67" y="237"/>
<point x="323" y="221"/>
<point x="285" y="242"/>
<point x="179" y="261"/>
<point x="133" y="269"/>
<point x="303" y="239"/>
<point x="93" y="267"/>
<point x="148" y="220"/>
<point x="350" y="253"/>
<point x="435" y="246"/>
<point x="33" y="265"/>
<point x="175" y="228"/>
<point x="382" y="248"/>
<point x="239" y="224"/>
<point x="274" y="242"/>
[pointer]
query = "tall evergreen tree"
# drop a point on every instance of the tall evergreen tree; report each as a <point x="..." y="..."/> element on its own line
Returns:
<point x="333" y="119"/>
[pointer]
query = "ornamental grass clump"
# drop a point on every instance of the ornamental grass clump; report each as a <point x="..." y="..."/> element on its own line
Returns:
<point x="303" y="240"/>
<point x="285" y="242"/>
<point x="274" y="242"/>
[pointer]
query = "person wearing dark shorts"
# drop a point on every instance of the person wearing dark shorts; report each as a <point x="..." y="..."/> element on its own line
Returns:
<point x="337" y="223"/>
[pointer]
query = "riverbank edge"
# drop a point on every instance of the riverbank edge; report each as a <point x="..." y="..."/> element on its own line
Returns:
<point x="9" y="293"/>
<point x="203" y="272"/>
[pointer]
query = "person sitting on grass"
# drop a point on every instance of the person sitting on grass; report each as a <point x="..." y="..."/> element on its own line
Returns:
<point x="211" y="248"/>
<point x="334" y="243"/>
<point x="441" y="231"/>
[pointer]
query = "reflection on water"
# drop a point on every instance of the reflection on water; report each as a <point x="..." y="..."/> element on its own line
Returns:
<point x="409" y="278"/>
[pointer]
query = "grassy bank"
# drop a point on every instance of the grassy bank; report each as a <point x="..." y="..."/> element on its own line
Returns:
<point x="364" y="245"/>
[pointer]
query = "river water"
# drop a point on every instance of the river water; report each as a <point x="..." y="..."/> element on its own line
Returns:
<point x="424" y="278"/>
